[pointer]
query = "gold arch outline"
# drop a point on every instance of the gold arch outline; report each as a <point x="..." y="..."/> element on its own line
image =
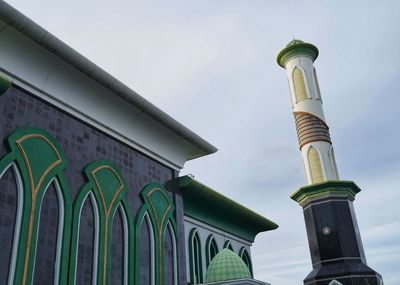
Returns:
<point x="159" y="227"/>
<point x="106" y="210"/>
<point x="34" y="190"/>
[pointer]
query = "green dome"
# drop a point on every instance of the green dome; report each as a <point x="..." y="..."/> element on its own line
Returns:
<point x="295" y="47"/>
<point x="226" y="265"/>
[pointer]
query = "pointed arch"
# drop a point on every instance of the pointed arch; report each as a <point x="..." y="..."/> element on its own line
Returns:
<point x="85" y="239"/>
<point x="299" y="85"/>
<point x="39" y="161"/>
<point x="211" y="249"/>
<point x="315" y="165"/>
<point x="159" y="208"/>
<point x="107" y="187"/>
<point x="170" y="256"/>
<point x="48" y="233"/>
<point x="228" y="245"/>
<point x="195" y="258"/>
<point x="120" y="244"/>
<point x="10" y="238"/>
<point x="245" y="256"/>
<point x="145" y="237"/>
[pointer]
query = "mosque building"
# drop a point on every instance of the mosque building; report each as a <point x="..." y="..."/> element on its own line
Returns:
<point x="90" y="185"/>
<point x="90" y="191"/>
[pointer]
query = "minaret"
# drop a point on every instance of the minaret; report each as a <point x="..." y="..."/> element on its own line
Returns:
<point x="335" y="243"/>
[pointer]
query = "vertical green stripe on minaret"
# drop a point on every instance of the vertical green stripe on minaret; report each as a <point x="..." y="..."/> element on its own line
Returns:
<point x="4" y="84"/>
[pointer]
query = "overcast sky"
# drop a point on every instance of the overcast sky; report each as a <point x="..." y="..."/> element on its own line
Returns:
<point x="211" y="64"/>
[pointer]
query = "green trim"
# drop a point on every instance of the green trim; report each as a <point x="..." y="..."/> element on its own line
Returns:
<point x="222" y="212"/>
<point x="131" y="240"/>
<point x="158" y="205"/>
<point x="108" y="186"/>
<point x="5" y="83"/>
<point x="210" y="242"/>
<point x="296" y="47"/>
<point x="39" y="160"/>
<point x="228" y="245"/>
<point x="326" y="189"/>
<point x="192" y="236"/>
<point x="245" y="256"/>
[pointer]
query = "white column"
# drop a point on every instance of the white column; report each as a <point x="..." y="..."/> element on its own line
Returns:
<point x="313" y="133"/>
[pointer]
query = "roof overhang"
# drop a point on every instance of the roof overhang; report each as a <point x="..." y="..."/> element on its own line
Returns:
<point x="205" y="204"/>
<point x="36" y="60"/>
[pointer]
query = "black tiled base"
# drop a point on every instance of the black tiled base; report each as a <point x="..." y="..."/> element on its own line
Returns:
<point x="347" y="273"/>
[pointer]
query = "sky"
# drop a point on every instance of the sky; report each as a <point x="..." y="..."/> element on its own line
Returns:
<point x="211" y="64"/>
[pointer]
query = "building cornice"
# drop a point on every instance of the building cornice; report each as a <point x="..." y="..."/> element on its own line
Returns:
<point x="11" y="18"/>
<point x="330" y="188"/>
<point x="207" y="205"/>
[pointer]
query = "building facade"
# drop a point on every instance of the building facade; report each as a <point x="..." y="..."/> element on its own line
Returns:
<point x="89" y="178"/>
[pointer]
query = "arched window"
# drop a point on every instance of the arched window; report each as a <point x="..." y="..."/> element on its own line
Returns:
<point x="314" y="160"/>
<point x="159" y="209"/>
<point x="211" y="249"/>
<point x="106" y="187"/>
<point x="41" y="164"/>
<point x="299" y="84"/>
<point x="146" y="252"/>
<point x="170" y="260"/>
<point x="11" y="206"/>
<point x="228" y="245"/>
<point x="196" y="272"/>
<point x="317" y="86"/>
<point x="246" y="259"/>
<point x="48" y="244"/>
<point x="119" y="247"/>
<point x="88" y="240"/>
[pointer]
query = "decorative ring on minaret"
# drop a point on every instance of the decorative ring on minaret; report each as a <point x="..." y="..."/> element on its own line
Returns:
<point x="310" y="128"/>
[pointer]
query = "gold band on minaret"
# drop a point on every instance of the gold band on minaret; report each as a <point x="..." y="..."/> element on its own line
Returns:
<point x="310" y="129"/>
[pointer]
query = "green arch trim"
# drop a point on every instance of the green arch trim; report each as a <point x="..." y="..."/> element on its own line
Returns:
<point x="4" y="84"/>
<point x="108" y="186"/>
<point x="228" y="245"/>
<point x="158" y="205"/>
<point x="210" y="241"/>
<point x="39" y="160"/>
<point x="194" y="235"/>
<point x="243" y="253"/>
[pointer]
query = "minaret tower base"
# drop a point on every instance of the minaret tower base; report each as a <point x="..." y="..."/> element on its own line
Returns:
<point x="335" y="244"/>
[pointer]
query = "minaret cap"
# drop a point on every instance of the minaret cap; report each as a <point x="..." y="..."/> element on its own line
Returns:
<point x="296" y="47"/>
